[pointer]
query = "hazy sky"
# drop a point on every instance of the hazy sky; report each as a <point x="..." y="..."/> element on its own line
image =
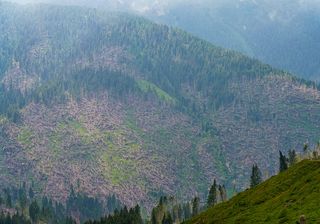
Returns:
<point x="144" y="6"/>
<point x="277" y="10"/>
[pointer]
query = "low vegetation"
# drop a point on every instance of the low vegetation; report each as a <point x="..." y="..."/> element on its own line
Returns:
<point x="281" y="199"/>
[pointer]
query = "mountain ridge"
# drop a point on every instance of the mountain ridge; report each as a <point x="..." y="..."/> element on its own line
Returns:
<point x="283" y="34"/>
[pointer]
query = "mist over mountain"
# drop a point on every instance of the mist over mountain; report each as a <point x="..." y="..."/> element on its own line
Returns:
<point x="283" y="33"/>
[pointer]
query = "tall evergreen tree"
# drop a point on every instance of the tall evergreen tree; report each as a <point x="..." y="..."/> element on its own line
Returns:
<point x="31" y="193"/>
<point x="34" y="211"/>
<point x="8" y="197"/>
<point x="195" y="206"/>
<point x="69" y="220"/>
<point x="23" y="196"/>
<point x="255" y="178"/>
<point x="283" y="162"/>
<point x="305" y="147"/>
<point x="167" y="219"/>
<point x="137" y="215"/>
<point x="153" y="216"/>
<point x="223" y="193"/>
<point x="292" y="157"/>
<point x="212" y="197"/>
<point x="187" y="210"/>
<point x="180" y="213"/>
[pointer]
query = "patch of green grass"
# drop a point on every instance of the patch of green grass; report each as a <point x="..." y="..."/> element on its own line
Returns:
<point x="146" y="86"/>
<point x="81" y="131"/>
<point x="119" y="167"/>
<point x="131" y="124"/>
<point x="25" y="136"/>
<point x="86" y="136"/>
<point x="55" y="142"/>
<point x="78" y="127"/>
<point x="281" y="199"/>
<point x="217" y="154"/>
<point x="56" y="137"/>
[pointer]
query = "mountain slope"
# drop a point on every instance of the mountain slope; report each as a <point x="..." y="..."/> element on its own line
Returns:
<point x="281" y="199"/>
<point x="113" y="103"/>
<point x="282" y="33"/>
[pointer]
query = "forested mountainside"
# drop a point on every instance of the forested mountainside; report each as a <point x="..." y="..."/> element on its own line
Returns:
<point x="115" y="104"/>
<point x="290" y="197"/>
<point x="282" y="33"/>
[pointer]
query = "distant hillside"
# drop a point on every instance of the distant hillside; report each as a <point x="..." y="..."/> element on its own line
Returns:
<point x="282" y="33"/>
<point x="115" y="104"/>
<point x="281" y="199"/>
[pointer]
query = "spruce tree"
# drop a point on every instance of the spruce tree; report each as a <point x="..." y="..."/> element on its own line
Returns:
<point x="31" y="193"/>
<point x="223" y="193"/>
<point x="153" y="216"/>
<point x="255" y="178"/>
<point x="23" y="196"/>
<point x="167" y="219"/>
<point x="69" y="220"/>
<point x="283" y="162"/>
<point x="195" y="206"/>
<point x="8" y="198"/>
<point x="34" y="211"/>
<point x="292" y="157"/>
<point x="305" y="147"/>
<point x="212" y="197"/>
<point x="180" y="213"/>
<point x="137" y="215"/>
<point x="187" y="210"/>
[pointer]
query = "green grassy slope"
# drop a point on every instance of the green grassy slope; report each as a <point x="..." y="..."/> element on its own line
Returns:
<point x="281" y="199"/>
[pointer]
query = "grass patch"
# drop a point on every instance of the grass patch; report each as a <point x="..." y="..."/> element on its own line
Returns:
<point x="119" y="166"/>
<point x="25" y="137"/>
<point x="146" y="86"/>
<point x="281" y="199"/>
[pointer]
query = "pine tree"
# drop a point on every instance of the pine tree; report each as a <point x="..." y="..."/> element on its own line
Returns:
<point x="180" y="213"/>
<point x="283" y="162"/>
<point x="255" y="178"/>
<point x="8" y="198"/>
<point x="195" y="206"/>
<point x="187" y="210"/>
<point x="31" y="193"/>
<point x="292" y="157"/>
<point x="153" y="216"/>
<point x="305" y="147"/>
<point x="69" y="220"/>
<point x="23" y="196"/>
<point x="223" y="193"/>
<point x="34" y="211"/>
<point x="212" y="197"/>
<point x="137" y="215"/>
<point x="167" y="219"/>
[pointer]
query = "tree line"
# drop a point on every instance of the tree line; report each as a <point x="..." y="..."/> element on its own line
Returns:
<point x="23" y="205"/>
